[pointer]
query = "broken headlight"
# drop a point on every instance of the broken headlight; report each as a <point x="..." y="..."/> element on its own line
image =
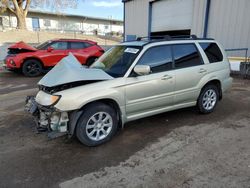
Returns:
<point x="51" y="100"/>
<point x="46" y="99"/>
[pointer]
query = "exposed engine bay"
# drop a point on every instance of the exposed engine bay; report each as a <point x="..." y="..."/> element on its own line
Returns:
<point x="54" y="89"/>
<point x="20" y="47"/>
<point x="67" y="74"/>
<point x="47" y="118"/>
<point x="17" y="51"/>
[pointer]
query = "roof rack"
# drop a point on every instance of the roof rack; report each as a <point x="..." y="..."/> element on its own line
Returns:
<point x="168" y="37"/>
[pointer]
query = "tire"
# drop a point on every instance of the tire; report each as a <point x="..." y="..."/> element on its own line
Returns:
<point x="32" y="68"/>
<point x="208" y="99"/>
<point x="90" y="61"/>
<point x="90" y="124"/>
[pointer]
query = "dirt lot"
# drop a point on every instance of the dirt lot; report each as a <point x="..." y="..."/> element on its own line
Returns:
<point x="175" y="149"/>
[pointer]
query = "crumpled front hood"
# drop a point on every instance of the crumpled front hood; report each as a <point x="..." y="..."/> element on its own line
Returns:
<point x="22" y="46"/>
<point x="70" y="70"/>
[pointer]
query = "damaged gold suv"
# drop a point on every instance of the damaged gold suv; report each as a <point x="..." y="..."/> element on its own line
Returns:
<point x="130" y="81"/>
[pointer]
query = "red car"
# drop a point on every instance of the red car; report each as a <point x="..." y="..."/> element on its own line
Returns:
<point x="33" y="61"/>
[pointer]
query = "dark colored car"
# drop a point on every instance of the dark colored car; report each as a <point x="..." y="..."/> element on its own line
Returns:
<point x="32" y="61"/>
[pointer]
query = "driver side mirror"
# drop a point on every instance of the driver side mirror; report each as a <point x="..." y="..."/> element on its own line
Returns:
<point x="50" y="49"/>
<point x="142" y="69"/>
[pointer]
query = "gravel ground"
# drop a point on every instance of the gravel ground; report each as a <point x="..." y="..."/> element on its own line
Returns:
<point x="204" y="155"/>
<point x="175" y="149"/>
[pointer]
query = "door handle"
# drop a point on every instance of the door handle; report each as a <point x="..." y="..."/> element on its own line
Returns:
<point x="166" y="77"/>
<point x="202" y="70"/>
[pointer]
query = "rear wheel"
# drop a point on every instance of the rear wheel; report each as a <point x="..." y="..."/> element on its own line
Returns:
<point x="32" y="68"/>
<point x="97" y="125"/>
<point x="90" y="61"/>
<point x="208" y="99"/>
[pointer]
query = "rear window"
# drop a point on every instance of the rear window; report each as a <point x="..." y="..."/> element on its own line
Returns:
<point x="212" y="51"/>
<point x="186" y="55"/>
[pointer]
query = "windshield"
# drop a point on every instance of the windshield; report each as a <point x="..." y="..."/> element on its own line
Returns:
<point x="117" y="60"/>
<point x="43" y="46"/>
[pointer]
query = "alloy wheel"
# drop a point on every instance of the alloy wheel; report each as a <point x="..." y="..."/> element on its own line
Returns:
<point x="209" y="99"/>
<point x="99" y="126"/>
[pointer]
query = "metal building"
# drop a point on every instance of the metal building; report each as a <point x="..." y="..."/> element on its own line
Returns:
<point x="228" y="21"/>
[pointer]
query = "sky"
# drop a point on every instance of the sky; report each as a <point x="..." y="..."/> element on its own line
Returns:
<point x="95" y="8"/>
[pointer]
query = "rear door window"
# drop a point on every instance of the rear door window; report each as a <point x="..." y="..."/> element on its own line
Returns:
<point x="186" y="55"/>
<point x="78" y="45"/>
<point x="212" y="51"/>
<point x="158" y="58"/>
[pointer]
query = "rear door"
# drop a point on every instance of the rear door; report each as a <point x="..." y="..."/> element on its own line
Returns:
<point x="190" y="69"/>
<point x="154" y="91"/>
<point x="79" y="50"/>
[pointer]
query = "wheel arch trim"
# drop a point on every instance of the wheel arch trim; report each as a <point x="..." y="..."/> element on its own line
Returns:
<point x="214" y="81"/>
<point x="31" y="57"/>
<point x="75" y="115"/>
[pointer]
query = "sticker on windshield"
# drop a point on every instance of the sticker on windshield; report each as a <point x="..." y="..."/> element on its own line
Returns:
<point x="131" y="50"/>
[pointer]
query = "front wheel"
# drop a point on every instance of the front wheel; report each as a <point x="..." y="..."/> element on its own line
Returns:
<point x="208" y="99"/>
<point x="32" y="68"/>
<point x="97" y="125"/>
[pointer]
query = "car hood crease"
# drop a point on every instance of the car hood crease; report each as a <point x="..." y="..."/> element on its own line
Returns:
<point x="70" y="70"/>
<point x="22" y="46"/>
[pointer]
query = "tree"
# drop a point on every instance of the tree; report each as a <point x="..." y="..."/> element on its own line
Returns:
<point x="20" y="8"/>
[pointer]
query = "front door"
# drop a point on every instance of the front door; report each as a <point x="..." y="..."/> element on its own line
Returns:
<point x="148" y="93"/>
<point x="59" y="51"/>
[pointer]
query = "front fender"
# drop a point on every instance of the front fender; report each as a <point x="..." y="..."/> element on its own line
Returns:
<point x="71" y="101"/>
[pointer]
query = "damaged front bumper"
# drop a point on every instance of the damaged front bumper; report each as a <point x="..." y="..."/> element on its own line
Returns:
<point x="47" y="118"/>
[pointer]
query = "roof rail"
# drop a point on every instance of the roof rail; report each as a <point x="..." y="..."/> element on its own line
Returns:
<point x="168" y="37"/>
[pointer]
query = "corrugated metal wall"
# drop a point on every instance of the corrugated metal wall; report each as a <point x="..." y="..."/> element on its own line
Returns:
<point x="136" y="17"/>
<point x="198" y="17"/>
<point x="229" y="20"/>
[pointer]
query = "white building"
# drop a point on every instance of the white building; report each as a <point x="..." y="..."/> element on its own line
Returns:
<point x="63" y="22"/>
<point x="228" y="21"/>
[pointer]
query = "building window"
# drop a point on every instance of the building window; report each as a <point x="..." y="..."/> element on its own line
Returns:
<point x="46" y="22"/>
<point x="35" y="24"/>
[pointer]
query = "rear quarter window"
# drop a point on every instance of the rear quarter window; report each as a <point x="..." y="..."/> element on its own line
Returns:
<point x="212" y="52"/>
